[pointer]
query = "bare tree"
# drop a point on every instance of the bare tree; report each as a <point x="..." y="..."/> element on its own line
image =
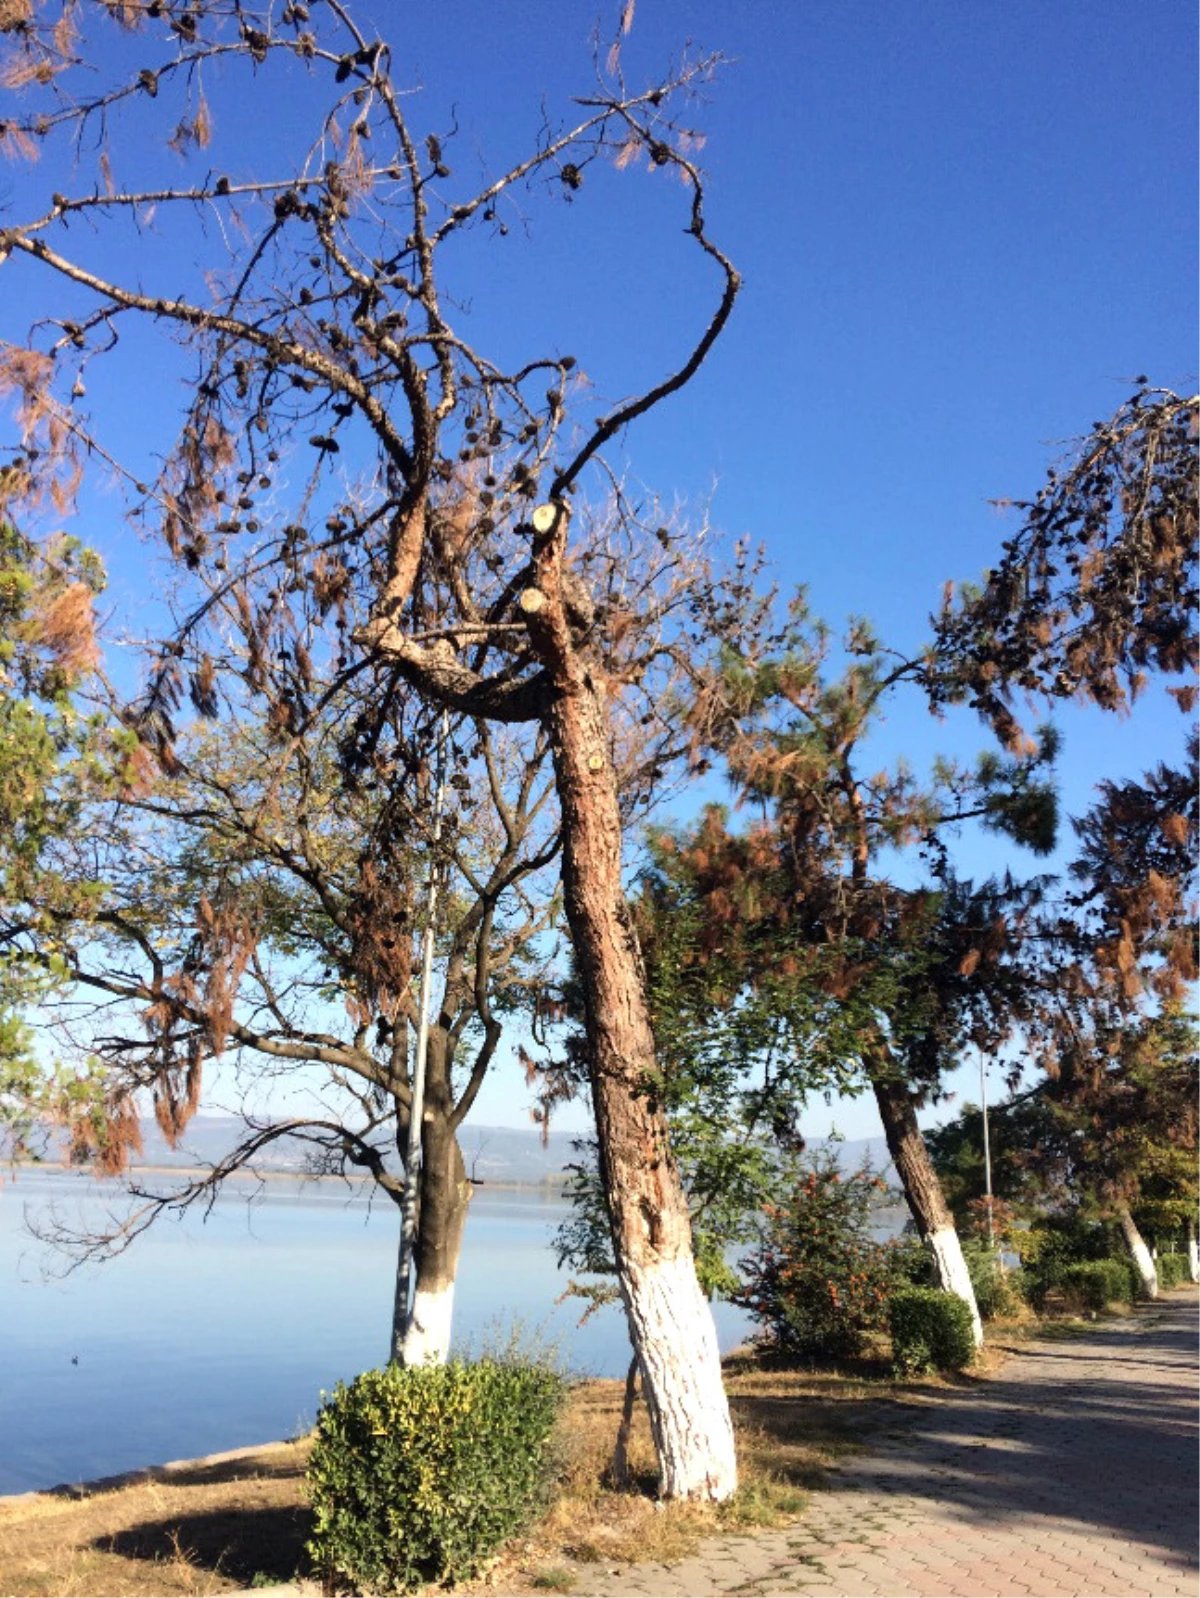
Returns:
<point x="443" y="482"/>
<point x="262" y="904"/>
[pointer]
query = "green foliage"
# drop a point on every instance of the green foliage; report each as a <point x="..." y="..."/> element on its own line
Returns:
<point x="912" y="1263"/>
<point x="1054" y="1243"/>
<point x="54" y="757"/>
<point x="1173" y="1270"/>
<point x="1095" y="1284"/>
<point x="418" y="1475"/>
<point x="931" y="1331"/>
<point x="997" y="1292"/>
<point x="818" y="1283"/>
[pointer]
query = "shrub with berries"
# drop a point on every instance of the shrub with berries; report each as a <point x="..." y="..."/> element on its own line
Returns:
<point x="818" y="1282"/>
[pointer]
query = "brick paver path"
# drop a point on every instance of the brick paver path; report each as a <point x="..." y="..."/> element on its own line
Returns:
<point x="1071" y="1472"/>
<point x="1074" y="1471"/>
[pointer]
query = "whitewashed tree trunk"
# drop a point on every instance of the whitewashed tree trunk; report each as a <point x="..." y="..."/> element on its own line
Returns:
<point x="427" y="1336"/>
<point x="677" y="1348"/>
<point x="422" y="1335"/>
<point x="670" y="1322"/>
<point x="1139" y="1253"/>
<point x="1193" y="1253"/>
<point x="953" y="1275"/>
<point x="923" y="1192"/>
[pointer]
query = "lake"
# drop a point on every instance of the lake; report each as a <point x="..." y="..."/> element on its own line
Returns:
<point x="217" y="1334"/>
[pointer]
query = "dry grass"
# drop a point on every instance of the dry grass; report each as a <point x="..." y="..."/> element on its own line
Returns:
<point x="205" y="1528"/>
<point x="217" y="1526"/>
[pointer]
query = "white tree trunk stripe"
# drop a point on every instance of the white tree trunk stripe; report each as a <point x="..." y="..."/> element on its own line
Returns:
<point x="677" y="1344"/>
<point x="953" y="1275"/>
<point x="1139" y="1253"/>
<point x="427" y="1340"/>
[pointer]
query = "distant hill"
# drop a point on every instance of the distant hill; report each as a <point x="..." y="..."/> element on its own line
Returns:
<point x="502" y="1155"/>
<point x="492" y="1153"/>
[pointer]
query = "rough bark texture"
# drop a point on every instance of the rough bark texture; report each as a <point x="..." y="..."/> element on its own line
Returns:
<point x="445" y="1200"/>
<point x="923" y="1192"/>
<point x="670" y="1322"/>
<point x="1138" y="1252"/>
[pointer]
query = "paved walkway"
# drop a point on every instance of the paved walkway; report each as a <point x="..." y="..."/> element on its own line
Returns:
<point x="1074" y="1471"/>
<point x="1071" y="1472"/>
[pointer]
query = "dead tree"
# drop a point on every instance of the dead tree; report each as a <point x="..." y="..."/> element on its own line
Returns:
<point x="333" y="404"/>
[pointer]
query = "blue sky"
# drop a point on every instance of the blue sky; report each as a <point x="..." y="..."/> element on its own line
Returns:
<point x="963" y="230"/>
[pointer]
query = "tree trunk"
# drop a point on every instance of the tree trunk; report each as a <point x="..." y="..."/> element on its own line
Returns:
<point x="1193" y="1253"/>
<point x="670" y="1322"/>
<point x="923" y="1192"/>
<point x="620" y="1459"/>
<point x="1138" y="1252"/>
<point x="424" y="1336"/>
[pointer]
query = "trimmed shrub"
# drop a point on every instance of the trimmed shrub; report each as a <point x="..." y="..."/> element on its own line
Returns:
<point x="1095" y="1284"/>
<point x="931" y="1331"/>
<point x="1173" y="1269"/>
<point x="818" y="1282"/>
<point x="417" y="1475"/>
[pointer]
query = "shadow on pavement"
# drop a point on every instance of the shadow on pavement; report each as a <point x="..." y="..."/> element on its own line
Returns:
<point x="1102" y="1434"/>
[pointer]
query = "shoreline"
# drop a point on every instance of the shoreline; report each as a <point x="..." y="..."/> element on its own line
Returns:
<point x="13" y="1170"/>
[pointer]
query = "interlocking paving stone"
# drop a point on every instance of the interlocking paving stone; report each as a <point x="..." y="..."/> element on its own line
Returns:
<point x="1070" y="1474"/>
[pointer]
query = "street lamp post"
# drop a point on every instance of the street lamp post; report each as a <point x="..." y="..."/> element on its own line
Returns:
<point x="987" y="1154"/>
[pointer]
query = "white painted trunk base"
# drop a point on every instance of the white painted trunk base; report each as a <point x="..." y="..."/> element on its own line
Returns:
<point x="1145" y="1266"/>
<point x="676" y="1341"/>
<point x="1193" y="1257"/>
<point x="953" y="1275"/>
<point x="427" y="1339"/>
<point x="1138" y="1252"/>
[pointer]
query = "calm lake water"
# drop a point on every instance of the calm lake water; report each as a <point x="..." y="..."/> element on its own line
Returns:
<point x="221" y="1334"/>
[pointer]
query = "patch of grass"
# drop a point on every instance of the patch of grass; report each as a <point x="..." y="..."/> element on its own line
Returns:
<point x="198" y="1530"/>
<point x="553" y="1579"/>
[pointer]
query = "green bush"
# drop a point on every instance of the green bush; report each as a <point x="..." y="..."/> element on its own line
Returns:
<point x="418" y="1475"/>
<point x="911" y="1263"/>
<point x="931" y="1330"/>
<point x="1053" y="1244"/>
<point x="1095" y="1284"/>
<point x="1173" y="1269"/>
<point x="818" y="1282"/>
<point x="997" y="1292"/>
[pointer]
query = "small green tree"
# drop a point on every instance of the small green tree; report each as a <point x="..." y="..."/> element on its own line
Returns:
<point x="57" y="754"/>
<point x="819" y="1282"/>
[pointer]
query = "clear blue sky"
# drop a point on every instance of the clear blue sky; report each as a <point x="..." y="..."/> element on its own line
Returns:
<point x="963" y="230"/>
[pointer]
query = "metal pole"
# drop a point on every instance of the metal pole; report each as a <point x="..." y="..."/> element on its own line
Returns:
<point x="412" y="1158"/>
<point x="987" y="1151"/>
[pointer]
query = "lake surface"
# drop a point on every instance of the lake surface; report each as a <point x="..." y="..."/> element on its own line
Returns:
<point x="208" y="1335"/>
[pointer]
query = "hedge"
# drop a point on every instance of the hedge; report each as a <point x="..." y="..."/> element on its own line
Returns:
<point x="1095" y="1284"/>
<point x="931" y="1330"/>
<point x="1173" y="1269"/>
<point x="417" y="1475"/>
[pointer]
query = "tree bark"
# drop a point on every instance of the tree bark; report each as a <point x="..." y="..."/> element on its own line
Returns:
<point x="423" y="1337"/>
<point x="1138" y="1252"/>
<point x="1193" y="1253"/>
<point x="670" y="1321"/>
<point x="923" y="1193"/>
